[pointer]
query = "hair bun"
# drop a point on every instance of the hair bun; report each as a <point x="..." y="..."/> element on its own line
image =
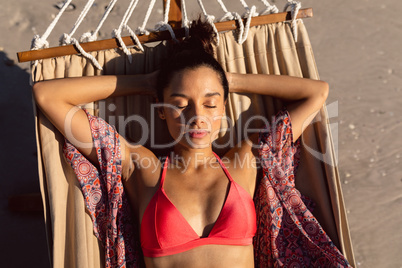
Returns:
<point x="189" y="54"/>
<point x="202" y="37"/>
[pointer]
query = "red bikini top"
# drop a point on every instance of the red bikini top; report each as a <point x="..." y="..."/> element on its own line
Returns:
<point x="164" y="230"/>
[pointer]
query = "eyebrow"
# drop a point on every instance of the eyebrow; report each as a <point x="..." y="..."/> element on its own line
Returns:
<point x="211" y="94"/>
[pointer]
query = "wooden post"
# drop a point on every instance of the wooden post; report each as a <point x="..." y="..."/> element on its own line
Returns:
<point x="174" y="13"/>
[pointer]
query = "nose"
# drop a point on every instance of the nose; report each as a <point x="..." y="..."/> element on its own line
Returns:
<point x="196" y="117"/>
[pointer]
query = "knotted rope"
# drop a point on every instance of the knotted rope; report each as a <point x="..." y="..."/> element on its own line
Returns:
<point x="232" y="16"/>
<point x="123" y="26"/>
<point x="164" y="25"/>
<point x="90" y="37"/>
<point x="141" y="29"/>
<point x="295" y="7"/>
<point x="250" y="12"/>
<point x="269" y="8"/>
<point x="67" y="39"/>
<point x="210" y="19"/>
<point x="39" y="42"/>
<point x="185" y="23"/>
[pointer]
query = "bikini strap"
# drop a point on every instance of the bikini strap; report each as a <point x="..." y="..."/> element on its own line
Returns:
<point x="223" y="167"/>
<point x="164" y="168"/>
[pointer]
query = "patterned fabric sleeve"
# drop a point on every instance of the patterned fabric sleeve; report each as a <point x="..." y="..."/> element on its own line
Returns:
<point x="288" y="235"/>
<point x="104" y="195"/>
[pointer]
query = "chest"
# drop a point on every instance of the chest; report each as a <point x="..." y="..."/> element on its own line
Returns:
<point x="198" y="198"/>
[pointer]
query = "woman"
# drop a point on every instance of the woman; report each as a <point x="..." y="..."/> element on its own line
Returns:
<point x="194" y="210"/>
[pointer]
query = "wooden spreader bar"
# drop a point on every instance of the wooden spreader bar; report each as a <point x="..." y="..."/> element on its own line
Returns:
<point x="152" y="37"/>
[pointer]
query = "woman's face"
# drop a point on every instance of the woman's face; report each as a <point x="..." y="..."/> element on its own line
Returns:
<point x="193" y="107"/>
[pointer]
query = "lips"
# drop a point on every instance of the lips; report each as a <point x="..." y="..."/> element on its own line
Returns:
<point x="197" y="134"/>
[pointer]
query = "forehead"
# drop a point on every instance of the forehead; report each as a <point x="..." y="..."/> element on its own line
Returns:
<point x="195" y="82"/>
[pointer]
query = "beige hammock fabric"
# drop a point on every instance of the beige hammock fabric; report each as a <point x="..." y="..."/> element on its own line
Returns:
<point x="269" y="49"/>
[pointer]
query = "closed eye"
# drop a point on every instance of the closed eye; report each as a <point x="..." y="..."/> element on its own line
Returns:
<point x="210" y="106"/>
<point x="181" y="107"/>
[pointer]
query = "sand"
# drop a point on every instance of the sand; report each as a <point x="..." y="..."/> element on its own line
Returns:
<point x="358" y="52"/>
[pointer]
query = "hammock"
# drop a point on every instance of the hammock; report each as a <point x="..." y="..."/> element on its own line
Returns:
<point x="264" y="48"/>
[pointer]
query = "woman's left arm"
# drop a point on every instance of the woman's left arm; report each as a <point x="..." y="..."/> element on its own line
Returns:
<point x="304" y="97"/>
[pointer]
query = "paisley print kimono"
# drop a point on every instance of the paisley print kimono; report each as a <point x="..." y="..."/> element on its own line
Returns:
<point x="288" y="235"/>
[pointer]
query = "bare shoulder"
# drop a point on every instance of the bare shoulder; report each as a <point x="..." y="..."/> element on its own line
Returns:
<point x="139" y="163"/>
<point x="141" y="171"/>
<point x="242" y="162"/>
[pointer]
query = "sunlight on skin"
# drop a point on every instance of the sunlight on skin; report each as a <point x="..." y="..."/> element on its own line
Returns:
<point x="198" y="97"/>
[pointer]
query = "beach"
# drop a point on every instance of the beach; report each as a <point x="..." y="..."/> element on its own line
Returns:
<point x="357" y="47"/>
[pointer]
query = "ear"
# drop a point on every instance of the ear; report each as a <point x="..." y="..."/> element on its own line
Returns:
<point x="161" y="113"/>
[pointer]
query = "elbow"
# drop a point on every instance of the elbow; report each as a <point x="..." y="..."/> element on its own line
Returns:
<point x="38" y="93"/>
<point x="323" y="91"/>
<point x="319" y="94"/>
<point x="41" y="93"/>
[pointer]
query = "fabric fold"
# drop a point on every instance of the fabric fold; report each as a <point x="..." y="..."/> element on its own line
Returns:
<point x="104" y="195"/>
<point x="288" y="234"/>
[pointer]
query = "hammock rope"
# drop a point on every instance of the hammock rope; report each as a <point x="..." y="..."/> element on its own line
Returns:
<point x="243" y="2"/>
<point x="232" y="16"/>
<point x="67" y="39"/>
<point x="141" y="29"/>
<point x="39" y="42"/>
<point x="250" y="12"/>
<point x="270" y="9"/>
<point x="185" y="22"/>
<point x="294" y="9"/>
<point x="210" y="19"/>
<point x="90" y="37"/>
<point x="164" y="25"/>
<point x="228" y="15"/>
<point x="124" y="26"/>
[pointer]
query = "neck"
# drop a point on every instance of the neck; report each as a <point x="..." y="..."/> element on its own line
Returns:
<point x="192" y="159"/>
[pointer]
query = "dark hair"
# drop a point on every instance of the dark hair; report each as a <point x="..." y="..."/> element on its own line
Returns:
<point x="191" y="53"/>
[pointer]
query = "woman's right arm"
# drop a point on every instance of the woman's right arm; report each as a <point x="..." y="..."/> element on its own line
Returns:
<point x="58" y="99"/>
